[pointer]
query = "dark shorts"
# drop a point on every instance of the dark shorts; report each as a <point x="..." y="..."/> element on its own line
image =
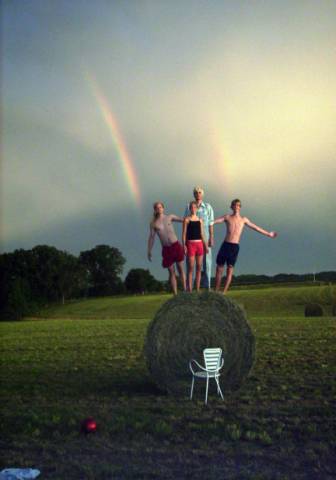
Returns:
<point x="171" y="254"/>
<point x="228" y="254"/>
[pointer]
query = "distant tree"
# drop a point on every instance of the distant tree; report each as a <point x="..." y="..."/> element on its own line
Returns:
<point x="18" y="301"/>
<point x="250" y="279"/>
<point x="103" y="265"/>
<point x="326" y="276"/>
<point x="57" y="274"/>
<point x="46" y="262"/>
<point x="71" y="278"/>
<point x="119" y="287"/>
<point x="15" y="290"/>
<point x="286" y="277"/>
<point x="31" y="277"/>
<point x="139" y="280"/>
<point x="18" y="264"/>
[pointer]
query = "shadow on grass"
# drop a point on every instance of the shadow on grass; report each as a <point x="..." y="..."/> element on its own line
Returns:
<point x="140" y="388"/>
<point x="131" y="385"/>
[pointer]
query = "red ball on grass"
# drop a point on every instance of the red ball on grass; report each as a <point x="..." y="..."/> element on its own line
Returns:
<point x="89" y="425"/>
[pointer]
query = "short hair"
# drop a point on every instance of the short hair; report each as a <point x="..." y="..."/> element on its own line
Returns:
<point x="198" y="189"/>
<point x="157" y="203"/>
<point x="155" y="215"/>
<point x="233" y="203"/>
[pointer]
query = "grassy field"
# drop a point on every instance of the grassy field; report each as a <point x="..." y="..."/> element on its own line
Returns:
<point x="85" y="359"/>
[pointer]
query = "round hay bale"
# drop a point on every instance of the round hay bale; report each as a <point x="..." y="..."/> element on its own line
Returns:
<point x="187" y="324"/>
<point x="313" y="310"/>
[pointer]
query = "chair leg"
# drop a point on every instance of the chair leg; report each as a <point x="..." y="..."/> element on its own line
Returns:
<point x="219" y="389"/>
<point x="192" y="387"/>
<point x="206" y="391"/>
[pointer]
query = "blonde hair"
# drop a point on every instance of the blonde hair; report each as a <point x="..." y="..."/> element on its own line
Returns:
<point x="155" y="214"/>
<point x="198" y="189"/>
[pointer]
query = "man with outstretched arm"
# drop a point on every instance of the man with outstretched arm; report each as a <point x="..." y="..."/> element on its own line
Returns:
<point x="172" y="250"/>
<point x="229" y="249"/>
<point x="206" y="214"/>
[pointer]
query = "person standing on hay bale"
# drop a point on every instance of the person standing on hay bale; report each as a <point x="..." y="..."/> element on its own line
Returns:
<point x="194" y="243"/>
<point x="229" y="249"/>
<point x="172" y="250"/>
<point x="206" y="213"/>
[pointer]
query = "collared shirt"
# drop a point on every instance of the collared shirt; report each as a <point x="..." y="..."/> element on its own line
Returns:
<point x="206" y="213"/>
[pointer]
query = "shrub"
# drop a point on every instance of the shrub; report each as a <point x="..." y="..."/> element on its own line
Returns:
<point x="313" y="310"/>
<point x="333" y="310"/>
<point x="187" y="324"/>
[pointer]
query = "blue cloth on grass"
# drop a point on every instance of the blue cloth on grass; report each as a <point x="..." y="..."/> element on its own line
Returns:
<point x="19" y="473"/>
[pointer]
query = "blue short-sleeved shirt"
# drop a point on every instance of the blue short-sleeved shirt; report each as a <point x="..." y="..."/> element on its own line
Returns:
<point x="206" y="213"/>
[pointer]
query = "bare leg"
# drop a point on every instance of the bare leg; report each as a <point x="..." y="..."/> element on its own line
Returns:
<point x="219" y="274"/>
<point x="229" y="273"/>
<point x="199" y="260"/>
<point x="172" y="279"/>
<point x="182" y="275"/>
<point x="191" y="263"/>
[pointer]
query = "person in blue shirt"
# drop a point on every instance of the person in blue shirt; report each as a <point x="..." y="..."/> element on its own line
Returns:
<point x="206" y="213"/>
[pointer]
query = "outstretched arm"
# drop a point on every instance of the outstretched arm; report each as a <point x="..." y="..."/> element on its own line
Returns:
<point x="175" y="218"/>
<point x="259" y="229"/>
<point x="151" y="239"/>
<point x="220" y="219"/>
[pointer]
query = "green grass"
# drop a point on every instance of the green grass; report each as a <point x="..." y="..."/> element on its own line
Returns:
<point x="287" y="301"/>
<point x="57" y="370"/>
<point x="136" y="306"/>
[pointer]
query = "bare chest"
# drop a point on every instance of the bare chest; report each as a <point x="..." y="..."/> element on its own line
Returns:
<point x="163" y="225"/>
<point x="235" y="225"/>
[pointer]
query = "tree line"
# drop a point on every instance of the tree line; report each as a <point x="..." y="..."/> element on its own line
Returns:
<point x="279" y="278"/>
<point x="33" y="278"/>
<point x="44" y="274"/>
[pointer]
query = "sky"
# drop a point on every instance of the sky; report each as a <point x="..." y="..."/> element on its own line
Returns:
<point x="109" y="106"/>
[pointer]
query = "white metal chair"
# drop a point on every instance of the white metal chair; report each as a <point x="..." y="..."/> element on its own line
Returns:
<point x="213" y="363"/>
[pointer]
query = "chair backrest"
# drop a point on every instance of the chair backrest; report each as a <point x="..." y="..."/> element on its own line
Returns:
<point x="212" y="358"/>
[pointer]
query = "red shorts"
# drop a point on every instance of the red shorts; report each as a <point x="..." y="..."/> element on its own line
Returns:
<point x="171" y="254"/>
<point x="195" y="248"/>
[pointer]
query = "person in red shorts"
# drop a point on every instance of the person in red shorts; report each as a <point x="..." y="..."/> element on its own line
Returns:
<point x="172" y="250"/>
<point x="195" y="244"/>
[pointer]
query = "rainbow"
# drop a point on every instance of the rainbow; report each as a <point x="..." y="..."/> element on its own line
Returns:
<point x="118" y="141"/>
<point x="221" y="155"/>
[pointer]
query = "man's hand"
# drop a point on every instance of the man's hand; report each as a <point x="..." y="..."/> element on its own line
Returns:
<point x="273" y="234"/>
<point x="149" y="256"/>
<point x="211" y="242"/>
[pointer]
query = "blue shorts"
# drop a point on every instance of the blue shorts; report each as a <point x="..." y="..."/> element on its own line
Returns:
<point x="228" y="254"/>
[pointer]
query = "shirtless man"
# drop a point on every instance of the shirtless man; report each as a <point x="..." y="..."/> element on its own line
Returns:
<point x="172" y="250"/>
<point x="228" y="252"/>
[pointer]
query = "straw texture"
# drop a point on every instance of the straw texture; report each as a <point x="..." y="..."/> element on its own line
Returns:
<point x="187" y="324"/>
